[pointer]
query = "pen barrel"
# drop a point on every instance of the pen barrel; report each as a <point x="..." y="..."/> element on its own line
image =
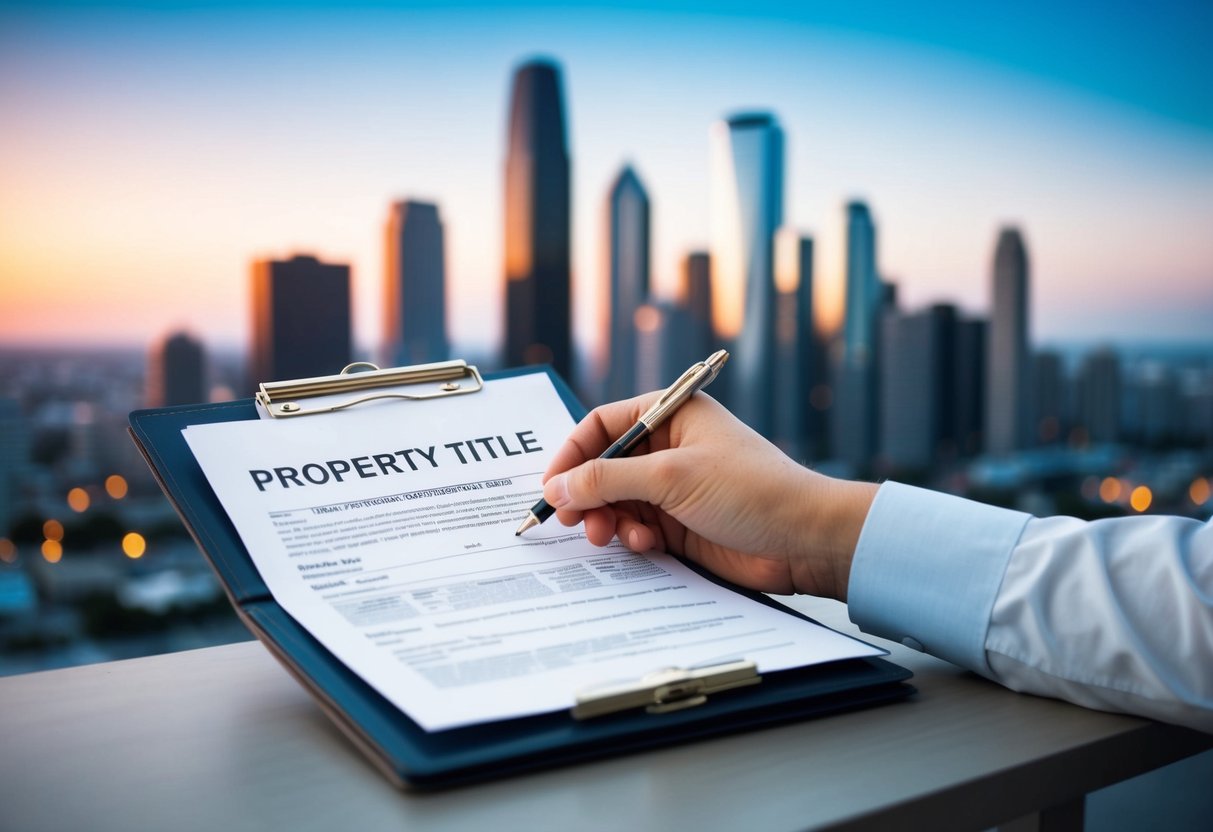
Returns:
<point x="624" y="445"/>
<point x="542" y="510"/>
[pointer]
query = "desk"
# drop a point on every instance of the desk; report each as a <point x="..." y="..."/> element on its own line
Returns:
<point x="223" y="738"/>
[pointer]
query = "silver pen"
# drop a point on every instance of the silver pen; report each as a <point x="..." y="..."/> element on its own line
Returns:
<point x="698" y="376"/>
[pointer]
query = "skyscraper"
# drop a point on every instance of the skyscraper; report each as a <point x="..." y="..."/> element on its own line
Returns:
<point x="697" y="300"/>
<point x="1007" y="392"/>
<point x="301" y="319"/>
<point x="855" y="404"/>
<point x="176" y="372"/>
<point x="628" y="211"/>
<point x="538" y="292"/>
<point x="747" y="208"/>
<point x="414" y="298"/>
<point x="1099" y="396"/>
<point x="971" y="337"/>
<point x="794" y="336"/>
<point x="919" y="373"/>
<point x="1048" y="397"/>
<point x="662" y="349"/>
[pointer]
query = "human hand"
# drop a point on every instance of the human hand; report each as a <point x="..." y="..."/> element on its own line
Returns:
<point x="712" y="490"/>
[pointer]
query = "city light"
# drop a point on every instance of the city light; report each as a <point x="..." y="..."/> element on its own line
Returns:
<point x="115" y="486"/>
<point x="78" y="500"/>
<point x="133" y="545"/>
<point x="1141" y="498"/>
<point x="8" y="550"/>
<point x="52" y="530"/>
<point x="52" y="551"/>
<point x="1200" y="491"/>
<point x="1109" y="490"/>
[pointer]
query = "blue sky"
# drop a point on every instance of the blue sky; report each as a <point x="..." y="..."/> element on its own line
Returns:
<point x="171" y="143"/>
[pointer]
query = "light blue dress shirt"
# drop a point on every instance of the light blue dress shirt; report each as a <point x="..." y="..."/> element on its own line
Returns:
<point x="1111" y="614"/>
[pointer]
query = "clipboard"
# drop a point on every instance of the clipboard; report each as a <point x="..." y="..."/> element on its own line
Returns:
<point x="670" y="707"/>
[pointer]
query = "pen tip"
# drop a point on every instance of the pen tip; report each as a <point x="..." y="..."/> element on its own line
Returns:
<point x="530" y="521"/>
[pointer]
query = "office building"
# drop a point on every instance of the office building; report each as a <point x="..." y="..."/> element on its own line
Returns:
<point x="1008" y="399"/>
<point x="1099" y="396"/>
<point x="662" y="348"/>
<point x="628" y="258"/>
<point x="747" y="208"/>
<point x="177" y="372"/>
<point x="414" y="282"/>
<point x="919" y="371"/>
<point x="1049" y="407"/>
<point x="300" y="320"/>
<point x="538" y="293"/>
<point x="854" y="427"/>
<point x="15" y="444"/>
<point x="696" y="296"/>
<point x="971" y="334"/>
<point x="794" y="336"/>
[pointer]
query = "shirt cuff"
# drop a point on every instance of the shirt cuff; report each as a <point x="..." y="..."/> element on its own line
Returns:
<point x="927" y="569"/>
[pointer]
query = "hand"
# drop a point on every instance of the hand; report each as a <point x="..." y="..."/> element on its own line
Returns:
<point x="712" y="490"/>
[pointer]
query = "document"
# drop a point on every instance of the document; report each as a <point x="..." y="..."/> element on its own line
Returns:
<point x="387" y="531"/>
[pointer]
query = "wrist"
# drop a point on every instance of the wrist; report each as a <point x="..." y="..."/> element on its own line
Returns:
<point x="834" y="512"/>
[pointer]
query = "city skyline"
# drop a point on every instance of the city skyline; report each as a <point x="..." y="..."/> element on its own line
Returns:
<point x="1001" y="146"/>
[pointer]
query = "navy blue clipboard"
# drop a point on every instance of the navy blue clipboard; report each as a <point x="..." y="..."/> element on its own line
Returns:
<point x="413" y="758"/>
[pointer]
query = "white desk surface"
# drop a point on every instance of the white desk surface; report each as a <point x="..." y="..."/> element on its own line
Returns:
<point x="224" y="739"/>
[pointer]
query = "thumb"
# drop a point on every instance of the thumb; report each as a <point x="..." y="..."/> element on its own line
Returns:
<point x="598" y="482"/>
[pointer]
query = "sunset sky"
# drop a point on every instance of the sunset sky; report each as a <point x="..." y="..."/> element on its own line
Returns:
<point x="148" y="152"/>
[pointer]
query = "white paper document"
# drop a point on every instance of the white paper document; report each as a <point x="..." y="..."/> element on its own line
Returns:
<point x="387" y="531"/>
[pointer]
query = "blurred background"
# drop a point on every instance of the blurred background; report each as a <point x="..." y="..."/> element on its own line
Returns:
<point x="963" y="245"/>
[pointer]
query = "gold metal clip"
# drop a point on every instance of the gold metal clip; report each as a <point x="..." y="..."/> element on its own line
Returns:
<point x="282" y="399"/>
<point x="667" y="690"/>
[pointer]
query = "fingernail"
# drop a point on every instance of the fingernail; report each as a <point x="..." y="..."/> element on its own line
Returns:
<point x="634" y="540"/>
<point x="556" y="492"/>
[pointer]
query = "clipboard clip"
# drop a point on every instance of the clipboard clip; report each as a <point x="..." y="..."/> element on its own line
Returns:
<point x="285" y="399"/>
<point x="663" y="691"/>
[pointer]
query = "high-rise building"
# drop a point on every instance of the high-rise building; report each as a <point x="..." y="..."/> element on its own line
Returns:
<point x="538" y="291"/>
<point x="662" y="348"/>
<point x="854" y="427"/>
<point x="794" y="335"/>
<point x="176" y="372"/>
<point x="919" y="374"/>
<point x="971" y="337"/>
<point x="301" y="319"/>
<point x="747" y="203"/>
<point x="628" y="255"/>
<point x="1049" y="398"/>
<point x="414" y="298"/>
<point x="1099" y="395"/>
<point x="14" y="459"/>
<point x="1008" y="400"/>
<point x="697" y="301"/>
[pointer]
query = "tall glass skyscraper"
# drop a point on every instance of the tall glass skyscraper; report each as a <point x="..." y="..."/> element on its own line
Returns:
<point x="747" y="208"/>
<point x="628" y="211"/>
<point x="794" y="335"/>
<point x="854" y="427"/>
<point x="538" y="293"/>
<point x="301" y="319"/>
<point x="414" y="297"/>
<point x="1007" y="389"/>
<point x="696" y="295"/>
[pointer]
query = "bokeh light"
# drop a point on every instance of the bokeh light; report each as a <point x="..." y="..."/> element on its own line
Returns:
<point x="78" y="500"/>
<point x="52" y="530"/>
<point x="1109" y="490"/>
<point x="115" y="486"/>
<point x="1200" y="491"/>
<point x="52" y="551"/>
<point x="133" y="545"/>
<point x="1141" y="498"/>
<point x="8" y="550"/>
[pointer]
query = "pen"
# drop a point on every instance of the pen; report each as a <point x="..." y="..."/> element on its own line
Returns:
<point x="698" y="376"/>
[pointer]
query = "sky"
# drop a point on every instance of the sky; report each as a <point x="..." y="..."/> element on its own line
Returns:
<point x="150" y="151"/>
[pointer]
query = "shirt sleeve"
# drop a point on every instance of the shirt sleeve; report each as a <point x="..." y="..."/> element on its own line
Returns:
<point x="1111" y="614"/>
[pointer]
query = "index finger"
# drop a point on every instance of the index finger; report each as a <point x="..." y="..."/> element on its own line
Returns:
<point x="595" y="433"/>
